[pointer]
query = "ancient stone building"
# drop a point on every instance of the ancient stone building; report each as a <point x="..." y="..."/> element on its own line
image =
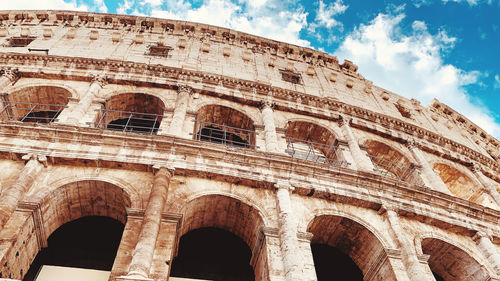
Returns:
<point x="154" y="148"/>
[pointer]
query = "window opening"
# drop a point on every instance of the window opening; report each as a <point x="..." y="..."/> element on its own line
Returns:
<point x="291" y="77"/>
<point x="30" y="112"/>
<point x="127" y="121"/>
<point x="156" y="50"/>
<point x="222" y="134"/>
<point x="313" y="151"/>
<point x="403" y="172"/>
<point x="20" y="41"/>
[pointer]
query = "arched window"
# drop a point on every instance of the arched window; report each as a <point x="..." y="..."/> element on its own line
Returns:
<point x="450" y="263"/>
<point x="344" y="249"/>
<point x="134" y="112"/>
<point x="41" y="104"/>
<point x="460" y="184"/>
<point x="224" y="125"/>
<point x="311" y="142"/>
<point x="391" y="162"/>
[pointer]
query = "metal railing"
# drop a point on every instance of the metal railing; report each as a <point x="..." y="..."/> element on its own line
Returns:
<point x="30" y="112"/>
<point x="313" y="151"/>
<point x="406" y="173"/>
<point x="128" y="121"/>
<point x="223" y="134"/>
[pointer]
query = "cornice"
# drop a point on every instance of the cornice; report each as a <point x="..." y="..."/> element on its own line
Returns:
<point x="343" y="185"/>
<point x="250" y="92"/>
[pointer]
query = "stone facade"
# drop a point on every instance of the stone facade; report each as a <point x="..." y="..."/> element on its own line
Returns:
<point x="278" y="144"/>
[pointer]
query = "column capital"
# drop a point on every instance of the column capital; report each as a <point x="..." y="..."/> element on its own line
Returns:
<point x="182" y="88"/>
<point x="37" y="157"/>
<point x="412" y="143"/>
<point x="344" y="120"/>
<point x="267" y="104"/>
<point x="481" y="234"/>
<point x="476" y="167"/>
<point x="281" y="184"/>
<point x="168" y="169"/>
<point x="387" y="208"/>
<point x="100" y="79"/>
<point x="10" y="73"/>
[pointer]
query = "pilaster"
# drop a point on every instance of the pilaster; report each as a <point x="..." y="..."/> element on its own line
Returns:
<point x="488" y="250"/>
<point x="487" y="186"/>
<point x="269" y="127"/>
<point x="181" y="105"/>
<point x="361" y="160"/>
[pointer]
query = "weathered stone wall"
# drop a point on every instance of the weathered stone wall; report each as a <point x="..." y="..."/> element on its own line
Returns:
<point x="427" y="201"/>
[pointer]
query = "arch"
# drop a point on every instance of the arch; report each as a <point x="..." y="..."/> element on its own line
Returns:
<point x="40" y="104"/>
<point x="459" y="183"/>
<point x="225" y="212"/>
<point x="224" y="125"/>
<point x="451" y="261"/>
<point x="391" y="161"/>
<point x="352" y="238"/>
<point x="310" y="141"/>
<point x="132" y="112"/>
<point x="44" y="83"/>
<point x="131" y="192"/>
<point x="196" y="107"/>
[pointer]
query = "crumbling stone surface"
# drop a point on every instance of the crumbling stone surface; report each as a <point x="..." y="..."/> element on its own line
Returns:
<point x="413" y="190"/>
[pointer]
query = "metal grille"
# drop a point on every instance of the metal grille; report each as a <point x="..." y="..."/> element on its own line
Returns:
<point x="313" y="151"/>
<point x="127" y="121"/>
<point x="30" y="112"/>
<point x="406" y="173"/>
<point x="223" y="134"/>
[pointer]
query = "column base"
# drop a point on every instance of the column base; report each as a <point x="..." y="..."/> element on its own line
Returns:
<point x="132" y="278"/>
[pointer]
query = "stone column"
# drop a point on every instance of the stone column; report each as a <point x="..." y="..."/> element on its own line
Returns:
<point x="289" y="244"/>
<point x="142" y="256"/>
<point x="269" y="127"/>
<point x="489" y="250"/>
<point x="431" y="179"/>
<point x="11" y="195"/>
<point x="361" y="161"/>
<point x="416" y="270"/>
<point x="77" y="113"/>
<point x="181" y="105"/>
<point x="488" y="187"/>
<point x="309" y="271"/>
<point x="8" y="77"/>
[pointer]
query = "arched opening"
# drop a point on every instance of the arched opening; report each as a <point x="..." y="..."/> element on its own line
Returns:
<point x="76" y="213"/>
<point x="213" y="254"/>
<point x="133" y="112"/>
<point x="40" y="104"/>
<point x="459" y="183"/>
<point x="224" y="125"/>
<point x="311" y="142"/>
<point x="343" y="247"/>
<point x="89" y="242"/>
<point x="451" y="263"/>
<point x="214" y="221"/>
<point x="391" y="162"/>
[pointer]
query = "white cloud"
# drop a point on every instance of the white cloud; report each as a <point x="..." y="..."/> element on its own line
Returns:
<point x="326" y="13"/>
<point x="496" y="85"/>
<point x="42" y="5"/>
<point x="412" y="65"/>
<point x="470" y="2"/>
<point x="100" y="6"/>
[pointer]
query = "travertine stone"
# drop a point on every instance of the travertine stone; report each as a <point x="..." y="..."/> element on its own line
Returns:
<point x="489" y="250"/>
<point x="269" y="128"/>
<point x="415" y="269"/>
<point x="293" y="263"/>
<point x="489" y="188"/>
<point x="8" y="77"/>
<point x="361" y="160"/>
<point x="142" y="256"/>
<point x="431" y="179"/>
<point x="11" y="196"/>
<point x="77" y="113"/>
<point x="181" y="105"/>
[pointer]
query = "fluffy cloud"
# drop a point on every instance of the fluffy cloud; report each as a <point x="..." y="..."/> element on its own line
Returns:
<point x="43" y="5"/>
<point x="496" y="84"/>
<point x="325" y="19"/>
<point x="412" y="65"/>
<point x="273" y="19"/>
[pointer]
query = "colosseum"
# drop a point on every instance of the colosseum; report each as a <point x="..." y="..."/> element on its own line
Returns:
<point x="141" y="149"/>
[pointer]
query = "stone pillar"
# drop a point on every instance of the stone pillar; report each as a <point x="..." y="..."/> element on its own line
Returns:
<point x="9" y="76"/>
<point x="489" y="250"/>
<point x="416" y="270"/>
<point x="181" y="105"/>
<point x="431" y="179"/>
<point x="142" y="256"/>
<point x="289" y="245"/>
<point x="77" y="114"/>
<point x="266" y="255"/>
<point x="269" y="127"/>
<point x="488" y="187"/>
<point x="361" y="161"/>
<point x="305" y="253"/>
<point x="11" y="195"/>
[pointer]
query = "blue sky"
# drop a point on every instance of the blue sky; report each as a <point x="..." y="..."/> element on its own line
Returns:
<point x="423" y="49"/>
